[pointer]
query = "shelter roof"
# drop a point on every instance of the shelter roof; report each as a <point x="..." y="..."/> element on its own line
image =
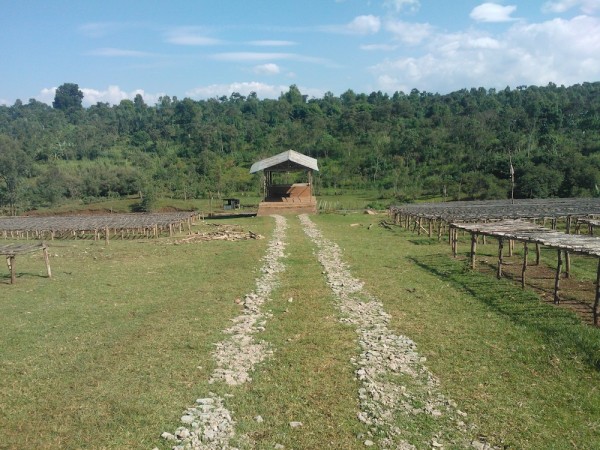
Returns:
<point x="284" y="162"/>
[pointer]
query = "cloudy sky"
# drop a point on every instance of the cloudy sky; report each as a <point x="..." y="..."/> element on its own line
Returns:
<point x="208" y="48"/>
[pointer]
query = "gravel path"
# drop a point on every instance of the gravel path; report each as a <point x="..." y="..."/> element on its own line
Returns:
<point x="396" y="386"/>
<point x="208" y="424"/>
<point x="397" y="393"/>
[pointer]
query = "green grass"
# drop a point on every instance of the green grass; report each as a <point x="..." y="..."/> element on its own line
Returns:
<point x="106" y="353"/>
<point x="309" y="378"/>
<point x="111" y="350"/>
<point x="525" y="371"/>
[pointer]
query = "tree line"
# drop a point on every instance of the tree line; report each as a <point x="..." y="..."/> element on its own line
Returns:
<point x="406" y="145"/>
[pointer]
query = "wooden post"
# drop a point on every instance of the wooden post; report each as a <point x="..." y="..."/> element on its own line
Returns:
<point x="525" y="254"/>
<point x="47" y="261"/>
<point x="567" y="264"/>
<point x="439" y="230"/>
<point x="419" y="226"/>
<point x="557" y="277"/>
<point x="538" y="254"/>
<point x="454" y="241"/>
<point x="106" y="236"/>
<point x="473" y="249"/>
<point x="567" y="255"/>
<point x="500" y="256"/>
<point x="511" y="246"/>
<point x="597" y="300"/>
<point x="11" y="263"/>
<point x="430" y="227"/>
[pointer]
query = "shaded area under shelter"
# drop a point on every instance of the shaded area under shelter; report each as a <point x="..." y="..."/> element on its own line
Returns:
<point x="282" y="196"/>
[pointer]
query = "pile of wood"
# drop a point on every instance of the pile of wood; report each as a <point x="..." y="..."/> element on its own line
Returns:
<point x="222" y="233"/>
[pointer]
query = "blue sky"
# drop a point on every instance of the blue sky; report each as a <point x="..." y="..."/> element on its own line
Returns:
<point x="208" y="48"/>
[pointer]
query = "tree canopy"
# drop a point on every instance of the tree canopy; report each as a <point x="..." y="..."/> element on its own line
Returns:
<point x="68" y="97"/>
<point x="407" y="145"/>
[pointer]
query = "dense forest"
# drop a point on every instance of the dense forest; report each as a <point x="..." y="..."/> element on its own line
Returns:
<point x="407" y="146"/>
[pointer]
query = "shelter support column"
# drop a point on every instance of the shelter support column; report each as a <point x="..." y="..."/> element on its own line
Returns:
<point x="47" y="261"/>
<point x="557" y="277"/>
<point x="525" y="254"/>
<point x="597" y="300"/>
<point x="473" y="249"/>
<point x="10" y="262"/>
<point x="500" y="257"/>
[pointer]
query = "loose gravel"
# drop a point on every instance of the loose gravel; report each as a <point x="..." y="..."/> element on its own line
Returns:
<point x="209" y="425"/>
<point x="395" y="385"/>
<point x="396" y="389"/>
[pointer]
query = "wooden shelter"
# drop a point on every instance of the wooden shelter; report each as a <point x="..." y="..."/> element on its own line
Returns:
<point x="286" y="198"/>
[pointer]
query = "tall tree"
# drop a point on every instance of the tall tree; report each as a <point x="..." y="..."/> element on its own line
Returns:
<point x="68" y="98"/>
<point x="13" y="165"/>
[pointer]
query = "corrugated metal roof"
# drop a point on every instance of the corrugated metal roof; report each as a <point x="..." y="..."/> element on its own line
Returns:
<point x="284" y="159"/>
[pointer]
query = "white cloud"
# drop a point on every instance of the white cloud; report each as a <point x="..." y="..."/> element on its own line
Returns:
<point x="364" y="25"/>
<point x="399" y="5"/>
<point x="113" y="95"/>
<point x="245" y="88"/>
<point x="560" y="51"/>
<point x="3" y="102"/>
<point x="561" y="6"/>
<point x="99" y="29"/>
<point x="46" y="95"/>
<point x="118" y="52"/>
<point x="360" y="25"/>
<point x="266" y="56"/>
<point x="378" y="47"/>
<point x="251" y="56"/>
<point x="193" y="36"/>
<point x="492" y="12"/>
<point x="267" y="69"/>
<point x="272" y="43"/>
<point x="408" y="32"/>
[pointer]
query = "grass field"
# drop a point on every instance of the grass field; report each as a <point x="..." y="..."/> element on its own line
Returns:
<point x="111" y="350"/>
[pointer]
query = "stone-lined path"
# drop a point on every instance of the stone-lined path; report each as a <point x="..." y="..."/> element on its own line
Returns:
<point x="395" y="385"/>
<point x="209" y="424"/>
<point x="394" y="380"/>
